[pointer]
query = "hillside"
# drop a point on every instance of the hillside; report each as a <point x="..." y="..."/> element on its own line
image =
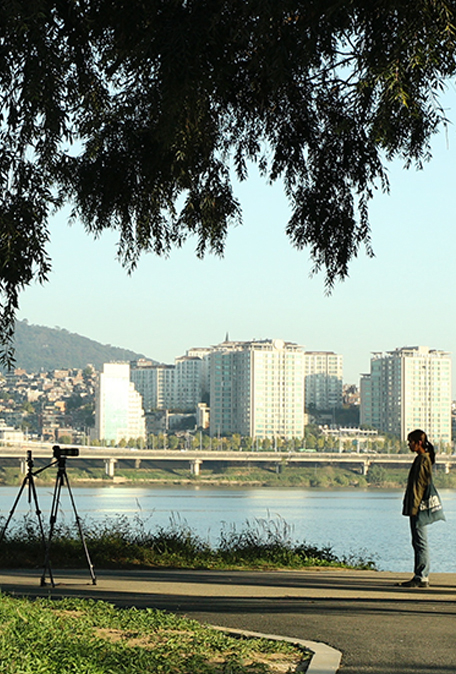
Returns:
<point x="41" y="348"/>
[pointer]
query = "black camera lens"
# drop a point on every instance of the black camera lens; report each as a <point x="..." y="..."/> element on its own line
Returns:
<point x="64" y="451"/>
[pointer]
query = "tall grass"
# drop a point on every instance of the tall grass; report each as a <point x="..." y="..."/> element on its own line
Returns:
<point x="122" y="543"/>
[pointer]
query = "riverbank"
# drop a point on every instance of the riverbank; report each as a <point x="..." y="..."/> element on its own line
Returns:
<point x="122" y="543"/>
<point x="87" y="473"/>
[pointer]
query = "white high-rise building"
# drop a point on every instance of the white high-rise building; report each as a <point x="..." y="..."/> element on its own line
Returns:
<point x="156" y="384"/>
<point x="190" y="379"/>
<point x="119" y="411"/>
<point x="324" y="379"/>
<point x="257" y="389"/>
<point x="181" y="386"/>
<point x="406" y="389"/>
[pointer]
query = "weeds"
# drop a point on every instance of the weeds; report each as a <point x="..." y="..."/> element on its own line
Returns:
<point x="122" y="543"/>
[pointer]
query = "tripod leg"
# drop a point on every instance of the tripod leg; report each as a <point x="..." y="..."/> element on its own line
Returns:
<point x="81" y="533"/>
<point x="10" y="516"/>
<point x="40" y="523"/>
<point x="52" y="521"/>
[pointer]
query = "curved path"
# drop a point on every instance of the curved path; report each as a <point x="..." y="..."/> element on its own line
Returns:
<point x="378" y="627"/>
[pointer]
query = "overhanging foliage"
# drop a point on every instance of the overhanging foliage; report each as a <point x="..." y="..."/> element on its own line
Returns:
<point x="134" y="111"/>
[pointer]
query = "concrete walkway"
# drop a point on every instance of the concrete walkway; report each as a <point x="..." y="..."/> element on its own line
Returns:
<point x="378" y="627"/>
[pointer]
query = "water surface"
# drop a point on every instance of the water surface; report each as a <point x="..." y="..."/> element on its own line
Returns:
<point x="348" y="520"/>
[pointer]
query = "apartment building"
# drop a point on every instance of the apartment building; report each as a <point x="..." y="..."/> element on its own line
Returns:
<point x="257" y="389"/>
<point x="191" y="381"/>
<point x="155" y="383"/>
<point x="408" y="388"/>
<point x="179" y="387"/>
<point x="119" y="413"/>
<point x="323" y="379"/>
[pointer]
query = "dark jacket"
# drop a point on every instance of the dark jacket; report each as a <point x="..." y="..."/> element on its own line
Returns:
<point x="419" y="477"/>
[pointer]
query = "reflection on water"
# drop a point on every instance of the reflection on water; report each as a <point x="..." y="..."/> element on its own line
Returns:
<point x="349" y="521"/>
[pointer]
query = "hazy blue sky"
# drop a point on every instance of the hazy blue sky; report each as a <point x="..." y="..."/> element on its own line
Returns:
<point x="262" y="288"/>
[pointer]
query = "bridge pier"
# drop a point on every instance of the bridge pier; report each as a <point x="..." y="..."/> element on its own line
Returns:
<point x="195" y="466"/>
<point x="447" y="467"/>
<point x="137" y="463"/>
<point x="365" y="467"/>
<point x="278" y="468"/>
<point x="23" y="466"/>
<point x="110" y="465"/>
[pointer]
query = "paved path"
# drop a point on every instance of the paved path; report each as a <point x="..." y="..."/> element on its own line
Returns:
<point x="380" y="628"/>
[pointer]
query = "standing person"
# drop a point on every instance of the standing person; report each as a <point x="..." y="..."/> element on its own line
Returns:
<point x="420" y="476"/>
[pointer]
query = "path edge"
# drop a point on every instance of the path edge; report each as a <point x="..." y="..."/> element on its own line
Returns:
<point x="325" y="659"/>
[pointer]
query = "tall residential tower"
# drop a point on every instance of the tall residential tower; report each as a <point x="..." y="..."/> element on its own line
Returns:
<point x="257" y="389"/>
<point x="119" y="413"/>
<point x="406" y="389"/>
<point x="324" y="379"/>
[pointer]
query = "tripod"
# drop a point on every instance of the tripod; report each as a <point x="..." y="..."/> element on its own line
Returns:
<point x="29" y="480"/>
<point x="61" y="479"/>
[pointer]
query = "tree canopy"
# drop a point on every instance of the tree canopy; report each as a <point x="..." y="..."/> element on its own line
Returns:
<point x="139" y="112"/>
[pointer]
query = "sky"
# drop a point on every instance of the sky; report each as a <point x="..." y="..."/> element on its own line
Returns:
<point x="262" y="288"/>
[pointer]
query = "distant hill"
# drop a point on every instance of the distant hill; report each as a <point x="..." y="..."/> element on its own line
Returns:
<point x="40" y="348"/>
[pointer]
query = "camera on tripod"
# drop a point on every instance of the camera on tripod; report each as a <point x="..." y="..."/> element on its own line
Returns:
<point x="64" y="451"/>
<point x="60" y="453"/>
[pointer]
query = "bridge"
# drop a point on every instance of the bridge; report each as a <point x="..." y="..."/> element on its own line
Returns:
<point x="195" y="458"/>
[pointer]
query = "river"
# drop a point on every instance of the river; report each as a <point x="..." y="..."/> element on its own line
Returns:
<point x="350" y="521"/>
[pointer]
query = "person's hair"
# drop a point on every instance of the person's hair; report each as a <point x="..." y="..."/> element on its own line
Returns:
<point x="419" y="435"/>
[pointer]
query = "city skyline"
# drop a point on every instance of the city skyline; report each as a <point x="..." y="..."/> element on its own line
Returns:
<point x="261" y="289"/>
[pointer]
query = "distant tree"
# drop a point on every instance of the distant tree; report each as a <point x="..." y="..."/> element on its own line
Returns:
<point x="28" y="408"/>
<point x="173" y="442"/>
<point x="88" y="373"/>
<point x="347" y="446"/>
<point x="376" y="474"/>
<point x="331" y="443"/>
<point x="136" y="111"/>
<point x="279" y="443"/>
<point x="206" y="441"/>
<point x="247" y="443"/>
<point x="310" y="441"/>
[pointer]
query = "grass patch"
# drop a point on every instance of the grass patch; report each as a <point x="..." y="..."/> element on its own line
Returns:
<point x="74" y="636"/>
<point x="122" y="543"/>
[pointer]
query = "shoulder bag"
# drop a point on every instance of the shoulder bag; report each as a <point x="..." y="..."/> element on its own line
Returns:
<point x="431" y="509"/>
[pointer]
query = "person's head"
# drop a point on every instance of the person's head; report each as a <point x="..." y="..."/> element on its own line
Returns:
<point x="419" y="443"/>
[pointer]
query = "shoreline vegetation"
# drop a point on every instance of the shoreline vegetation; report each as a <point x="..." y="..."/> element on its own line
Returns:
<point x="121" y="542"/>
<point x="86" y="473"/>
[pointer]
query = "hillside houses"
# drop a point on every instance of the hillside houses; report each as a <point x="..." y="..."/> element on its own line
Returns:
<point x="49" y="405"/>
